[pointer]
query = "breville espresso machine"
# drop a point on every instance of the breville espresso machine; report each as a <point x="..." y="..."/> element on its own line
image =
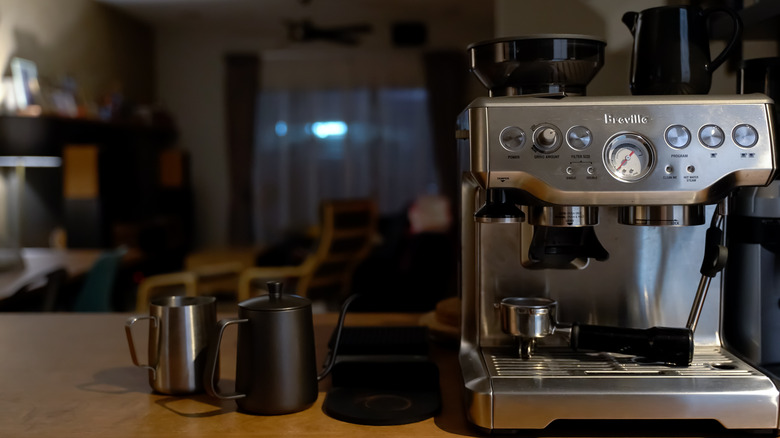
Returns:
<point x="591" y="232"/>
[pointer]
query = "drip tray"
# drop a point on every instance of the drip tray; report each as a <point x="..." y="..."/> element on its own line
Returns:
<point x="560" y="384"/>
<point x="563" y="362"/>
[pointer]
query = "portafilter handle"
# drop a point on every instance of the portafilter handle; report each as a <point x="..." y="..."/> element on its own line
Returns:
<point x="657" y="344"/>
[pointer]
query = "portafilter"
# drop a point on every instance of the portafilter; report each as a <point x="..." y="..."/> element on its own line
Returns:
<point x="532" y="318"/>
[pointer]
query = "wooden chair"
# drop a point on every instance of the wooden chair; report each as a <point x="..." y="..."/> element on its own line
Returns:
<point x="200" y="280"/>
<point x="347" y="232"/>
<point x="217" y="269"/>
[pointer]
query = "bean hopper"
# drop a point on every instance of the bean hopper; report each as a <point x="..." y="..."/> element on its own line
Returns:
<point x="591" y="232"/>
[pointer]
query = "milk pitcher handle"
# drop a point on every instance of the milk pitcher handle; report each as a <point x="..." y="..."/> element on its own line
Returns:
<point x="129" y="332"/>
<point x="736" y="33"/>
<point x="209" y="381"/>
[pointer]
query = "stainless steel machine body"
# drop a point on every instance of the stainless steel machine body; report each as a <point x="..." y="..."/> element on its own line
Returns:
<point x="595" y="165"/>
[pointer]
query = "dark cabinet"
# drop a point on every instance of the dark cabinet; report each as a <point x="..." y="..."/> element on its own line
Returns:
<point x="114" y="186"/>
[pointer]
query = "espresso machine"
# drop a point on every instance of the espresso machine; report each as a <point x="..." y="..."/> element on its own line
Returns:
<point x="592" y="244"/>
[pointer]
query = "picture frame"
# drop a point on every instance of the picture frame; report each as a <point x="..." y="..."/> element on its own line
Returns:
<point x="25" y="82"/>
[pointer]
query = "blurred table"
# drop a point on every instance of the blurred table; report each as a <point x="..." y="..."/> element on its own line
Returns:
<point x="40" y="262"/>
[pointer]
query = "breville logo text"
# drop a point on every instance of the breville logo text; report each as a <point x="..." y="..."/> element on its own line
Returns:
<point x="632" y="119"/>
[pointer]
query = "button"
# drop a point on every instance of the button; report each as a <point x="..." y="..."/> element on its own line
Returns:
<point x="512" y="138"/>
<point x="579" y="137"/>
<point x="745" y="136"/>
<point x="678" y="136"/>
<point x="711" y="136"/>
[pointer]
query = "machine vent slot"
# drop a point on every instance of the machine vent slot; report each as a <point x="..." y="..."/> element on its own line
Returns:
<point x="563" y="362"/>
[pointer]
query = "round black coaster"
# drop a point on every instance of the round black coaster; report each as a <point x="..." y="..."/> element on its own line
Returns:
<point x="380" y="407"/>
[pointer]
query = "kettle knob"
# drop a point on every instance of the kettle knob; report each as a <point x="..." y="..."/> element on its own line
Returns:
<point x="274" y="289"/>
<point x="629" y="19"/>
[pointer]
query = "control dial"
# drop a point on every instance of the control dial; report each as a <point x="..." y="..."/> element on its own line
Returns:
<point x="629" y="157"/>
<point x="547" y="138"/>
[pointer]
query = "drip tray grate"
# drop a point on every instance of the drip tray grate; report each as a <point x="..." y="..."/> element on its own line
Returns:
<point x="563" y="362"/>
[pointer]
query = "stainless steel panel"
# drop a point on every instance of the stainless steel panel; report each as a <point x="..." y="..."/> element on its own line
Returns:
<point x="575" y="176"/>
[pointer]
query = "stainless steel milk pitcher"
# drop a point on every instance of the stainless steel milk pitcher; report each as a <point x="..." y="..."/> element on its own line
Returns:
<point x="179" y="331"/>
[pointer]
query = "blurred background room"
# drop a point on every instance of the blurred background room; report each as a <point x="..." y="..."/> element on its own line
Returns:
<point x="205" y="146"/>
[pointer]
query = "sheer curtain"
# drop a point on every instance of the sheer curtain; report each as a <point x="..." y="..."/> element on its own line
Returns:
<point x="338" y="140"/>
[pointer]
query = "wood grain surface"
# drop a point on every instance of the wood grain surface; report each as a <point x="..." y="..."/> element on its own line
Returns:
<point x="70" y="375"/>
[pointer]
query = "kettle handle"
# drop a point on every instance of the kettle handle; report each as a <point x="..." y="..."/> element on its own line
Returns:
<point x="629" y="19"/>
<point x="736" y="34"/>
<point x="209" y="382"/>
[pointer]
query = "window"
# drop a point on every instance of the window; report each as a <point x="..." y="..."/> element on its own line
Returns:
<point x="325" y="144"/>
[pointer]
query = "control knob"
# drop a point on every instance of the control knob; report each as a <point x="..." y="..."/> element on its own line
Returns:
<point x="547" y="138"/>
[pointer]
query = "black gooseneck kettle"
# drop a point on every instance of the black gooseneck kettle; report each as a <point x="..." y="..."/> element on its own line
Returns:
<point x="276" y="371"/>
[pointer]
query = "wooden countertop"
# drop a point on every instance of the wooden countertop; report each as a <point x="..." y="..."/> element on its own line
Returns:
<point x="70" y="375"/>
<point x="64" y="375"/>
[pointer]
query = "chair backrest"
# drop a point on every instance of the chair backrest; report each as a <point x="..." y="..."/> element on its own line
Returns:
<point x="97" y="291"/>
<point x="162" y="284"/>
<point x="348" y="229"/>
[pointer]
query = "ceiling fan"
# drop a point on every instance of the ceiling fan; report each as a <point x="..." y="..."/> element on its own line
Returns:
<point x="306" y="31"/>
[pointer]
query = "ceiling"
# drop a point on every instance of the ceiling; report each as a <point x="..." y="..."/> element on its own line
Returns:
<point x="269" y="18"/>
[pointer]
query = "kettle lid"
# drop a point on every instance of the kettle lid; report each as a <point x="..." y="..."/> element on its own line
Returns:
<point x="275" y="300"/>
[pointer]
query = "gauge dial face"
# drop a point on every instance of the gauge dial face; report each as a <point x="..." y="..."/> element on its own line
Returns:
<point x="628" y="157"/>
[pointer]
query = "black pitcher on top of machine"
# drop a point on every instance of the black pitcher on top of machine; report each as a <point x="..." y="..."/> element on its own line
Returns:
<point x="671" y="52"/>
<point x="592" y="245"/>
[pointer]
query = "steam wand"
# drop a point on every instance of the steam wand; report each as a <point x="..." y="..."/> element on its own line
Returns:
<point x="715" y="256"/>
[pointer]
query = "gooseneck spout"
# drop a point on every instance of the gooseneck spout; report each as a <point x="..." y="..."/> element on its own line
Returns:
<point x="330" y="360"/>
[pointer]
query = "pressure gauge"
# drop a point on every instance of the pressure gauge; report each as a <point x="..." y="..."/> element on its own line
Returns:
<point x="629" y="157"/>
